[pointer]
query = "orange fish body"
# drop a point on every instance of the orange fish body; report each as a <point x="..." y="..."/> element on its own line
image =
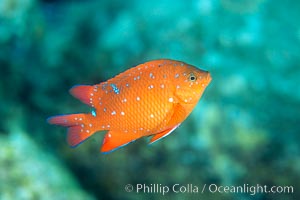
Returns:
<point x="150" y="99"/>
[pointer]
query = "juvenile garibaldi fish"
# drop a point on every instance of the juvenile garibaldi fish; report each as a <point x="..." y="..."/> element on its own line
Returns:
<point x="151" y="99"/>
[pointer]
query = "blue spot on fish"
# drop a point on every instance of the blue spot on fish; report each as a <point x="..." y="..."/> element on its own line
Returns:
<point x="115" y="88"/>
<point x="94" y="113"/>
<point x="151" y="75"/>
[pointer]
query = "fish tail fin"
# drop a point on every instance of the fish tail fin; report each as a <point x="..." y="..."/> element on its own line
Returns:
<point x="80" y="126"/>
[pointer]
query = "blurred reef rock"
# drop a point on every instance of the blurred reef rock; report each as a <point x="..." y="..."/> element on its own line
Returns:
<point x="28" y="172"/>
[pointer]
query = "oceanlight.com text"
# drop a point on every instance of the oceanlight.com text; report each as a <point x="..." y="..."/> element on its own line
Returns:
<point x="250" y="189"/>
<point x="208" y="188"/>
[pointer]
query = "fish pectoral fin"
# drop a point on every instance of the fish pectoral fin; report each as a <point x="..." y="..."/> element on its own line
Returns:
<point x="114" y="140"/>
<point x="179" y="114"/>
<point x="162" y="134"/>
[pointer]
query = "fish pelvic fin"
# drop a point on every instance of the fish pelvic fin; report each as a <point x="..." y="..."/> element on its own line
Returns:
<point x="80" y="126"/>
<point x="162" y="134"/>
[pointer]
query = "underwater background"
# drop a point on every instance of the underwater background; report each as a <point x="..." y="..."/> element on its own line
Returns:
<point x="243" y="132"/>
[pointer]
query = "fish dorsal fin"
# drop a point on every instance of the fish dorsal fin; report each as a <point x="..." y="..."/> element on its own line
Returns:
<point x="114" y="140"/>
<point x="83" y="93"/>
<point x="88" y="94"/>
<point x="162" y="134"/>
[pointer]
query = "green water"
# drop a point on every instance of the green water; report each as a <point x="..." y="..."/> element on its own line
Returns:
<point x="240" y="141"/>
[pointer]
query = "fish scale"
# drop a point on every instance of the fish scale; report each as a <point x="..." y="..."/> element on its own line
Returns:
<point x="150" y="99"/>
<point x="146" y="104"/>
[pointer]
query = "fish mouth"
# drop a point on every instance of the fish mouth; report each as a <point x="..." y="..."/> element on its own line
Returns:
<point x="207" y="79"/>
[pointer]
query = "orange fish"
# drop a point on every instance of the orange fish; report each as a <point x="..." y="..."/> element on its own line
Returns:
<point x="151" y="99"/>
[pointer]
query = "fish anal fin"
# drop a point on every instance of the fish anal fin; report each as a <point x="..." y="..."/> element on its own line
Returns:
<point x="77" y="135"/>
<point x="114" y="140"/>
<point x="162" y="134"/>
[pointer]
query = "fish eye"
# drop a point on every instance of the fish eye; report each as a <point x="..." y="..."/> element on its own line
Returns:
<point x="192" y="77"/>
